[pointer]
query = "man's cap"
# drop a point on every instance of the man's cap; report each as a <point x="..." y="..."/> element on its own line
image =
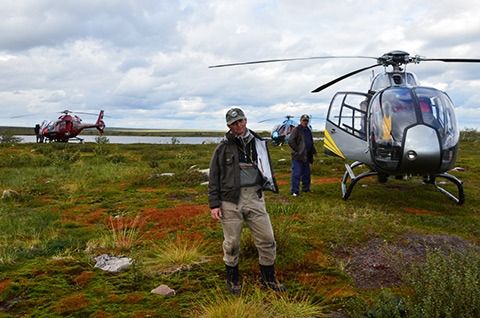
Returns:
<point x="305" y="117"/>
<point x="233" y="115"/>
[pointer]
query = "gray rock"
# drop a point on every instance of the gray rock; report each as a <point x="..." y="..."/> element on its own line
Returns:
<point x="112" y="263"/>
<point x="163" y="290"/>
<point x="9" y="194"/>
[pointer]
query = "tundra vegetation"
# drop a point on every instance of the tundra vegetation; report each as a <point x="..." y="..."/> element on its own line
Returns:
<point x="399" y="249"/>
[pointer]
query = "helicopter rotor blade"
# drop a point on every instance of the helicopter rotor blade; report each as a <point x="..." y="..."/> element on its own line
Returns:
<point x="265" y="120"/>
<point x="454" y="60"/>
<point x="85" y="113"/>
<point x="338" y="79"/>
<point x="270" y="119"/>
<point x="293" y="59"/>
<point x="22" y="116"/>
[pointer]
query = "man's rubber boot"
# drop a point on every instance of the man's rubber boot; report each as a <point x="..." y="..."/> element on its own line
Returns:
<point x="268" y="278"/>
<point x="233" y="284"/>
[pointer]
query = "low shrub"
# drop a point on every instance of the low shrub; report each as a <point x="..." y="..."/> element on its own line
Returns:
<point x="446" y="286"/>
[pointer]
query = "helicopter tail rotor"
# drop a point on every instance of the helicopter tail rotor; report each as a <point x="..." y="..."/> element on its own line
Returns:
<point x="100" y="124"/>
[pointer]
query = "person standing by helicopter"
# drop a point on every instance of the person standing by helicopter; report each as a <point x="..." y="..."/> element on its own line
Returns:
<point x="39" y="137"/>
<point x="303" y="149"/>
<point x="240" y="170"/>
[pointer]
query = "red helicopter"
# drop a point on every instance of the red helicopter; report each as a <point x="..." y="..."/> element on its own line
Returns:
<point x="67" y="126"/>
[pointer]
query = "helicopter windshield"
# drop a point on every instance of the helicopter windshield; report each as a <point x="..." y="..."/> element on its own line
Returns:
<point x="397" y="109"/>
<point x="437" y="111"/>
<point x="392" y="112"/>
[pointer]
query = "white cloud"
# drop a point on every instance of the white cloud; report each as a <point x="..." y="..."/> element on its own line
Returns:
<point x="145" y="62"/>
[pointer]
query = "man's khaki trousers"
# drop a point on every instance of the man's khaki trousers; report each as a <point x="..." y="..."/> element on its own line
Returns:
<point x="251" y="210"/>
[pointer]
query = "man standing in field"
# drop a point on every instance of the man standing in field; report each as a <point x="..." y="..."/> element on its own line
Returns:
<point x="301" y="142"/>
<point x="240" y="169"/>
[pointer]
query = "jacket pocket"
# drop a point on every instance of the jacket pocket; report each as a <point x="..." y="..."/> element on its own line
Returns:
<point x="228" y="179"/>
<point x="228" y="159"/>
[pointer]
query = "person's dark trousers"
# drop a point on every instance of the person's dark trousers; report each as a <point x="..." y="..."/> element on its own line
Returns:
<point x="300" y="171"/>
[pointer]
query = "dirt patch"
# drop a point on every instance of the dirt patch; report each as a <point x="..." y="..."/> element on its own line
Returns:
<point x="381" y="264"/>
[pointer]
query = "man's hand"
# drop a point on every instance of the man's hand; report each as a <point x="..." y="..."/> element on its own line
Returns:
<point x="216" y="213"/>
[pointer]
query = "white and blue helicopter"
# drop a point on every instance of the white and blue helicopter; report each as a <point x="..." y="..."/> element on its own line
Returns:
<point x="396" y="129"/>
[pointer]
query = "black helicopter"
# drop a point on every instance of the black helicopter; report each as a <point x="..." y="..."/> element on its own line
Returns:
<point x="397" y="128"/>
<point x="281" y="132"/>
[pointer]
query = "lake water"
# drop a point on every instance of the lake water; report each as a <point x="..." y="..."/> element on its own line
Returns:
<point x="140" y="139"/>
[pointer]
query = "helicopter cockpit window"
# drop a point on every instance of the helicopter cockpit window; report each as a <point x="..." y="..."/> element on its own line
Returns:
<point x="392" y="112"/>
<point x="437" y="111"/>
<point x="398" y="112"/>
<point x="348" y="112"/>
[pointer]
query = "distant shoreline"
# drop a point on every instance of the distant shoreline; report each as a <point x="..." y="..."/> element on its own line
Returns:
<point x="140" y="132"/>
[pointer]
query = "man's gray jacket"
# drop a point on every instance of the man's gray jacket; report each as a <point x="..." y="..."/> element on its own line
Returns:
<point x="224" y="176"/>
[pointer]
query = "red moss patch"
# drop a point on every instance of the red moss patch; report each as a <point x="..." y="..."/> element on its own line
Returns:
<point x="191" y="237"/>
<point x="326" y="180"/>
<point x="125" y="222"/>
<point x="419" y="212"/>
<point x="282" y="182"/>
<point x="308" y="278"/>
<point x="4" y="284"/>
<point x="142" y="314"/>
<point x="84" y="278"/>
<point x="100" y="314"/>
<point x="317" y="257"/>
<point x="172" y="219"/>
<point x="147" y="190"/>
<point x="341" y="292"/>
<point x="71" y="304"/>
<point x="83" y="214"/>
<point x="113" y="298"/>
<point x="134" y="298"/>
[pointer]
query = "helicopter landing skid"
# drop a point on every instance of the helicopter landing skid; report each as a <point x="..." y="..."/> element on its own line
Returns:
<point x="349" y="174"/>
<point x="460" y="199"/>
<point x="79" y="139"/>
<point x="347" y="189"/>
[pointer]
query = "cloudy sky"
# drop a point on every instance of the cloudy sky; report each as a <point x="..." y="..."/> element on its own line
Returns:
<point x="146" y="62"/>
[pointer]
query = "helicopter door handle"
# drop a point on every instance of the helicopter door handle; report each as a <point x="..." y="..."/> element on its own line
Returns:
<point x="333" y="130"/>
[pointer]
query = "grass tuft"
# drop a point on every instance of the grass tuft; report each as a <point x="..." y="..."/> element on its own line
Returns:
<point x="259" y="303"/>
<point x="175" y="256"/>
<point x="125" y="234"/>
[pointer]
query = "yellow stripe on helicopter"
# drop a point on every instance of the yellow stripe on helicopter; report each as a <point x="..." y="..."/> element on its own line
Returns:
<point x="331" y="146"/>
